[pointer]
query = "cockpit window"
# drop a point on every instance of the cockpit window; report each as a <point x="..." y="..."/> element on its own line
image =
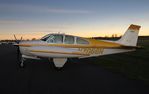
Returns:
<point x="81" y="41"/>
<point x="55" y="39"/>
<point x="69" y="39"/>
<point x="45" y="38"/>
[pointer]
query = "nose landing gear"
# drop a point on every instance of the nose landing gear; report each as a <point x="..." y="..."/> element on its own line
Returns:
<point x="21" y="62"/>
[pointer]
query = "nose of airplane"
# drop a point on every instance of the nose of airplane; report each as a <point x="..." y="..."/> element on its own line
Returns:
<point x="31" y="42"/>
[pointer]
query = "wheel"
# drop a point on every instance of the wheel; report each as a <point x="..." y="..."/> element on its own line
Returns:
<point x="21" y="61"/>
<point x="22" y="65"/>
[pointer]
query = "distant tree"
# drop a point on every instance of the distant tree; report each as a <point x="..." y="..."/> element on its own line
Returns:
<point x="112" y="36"/>
<point x="33" y="38"/>
<point x="115" y="35"/>
<point x="106" y="36"/>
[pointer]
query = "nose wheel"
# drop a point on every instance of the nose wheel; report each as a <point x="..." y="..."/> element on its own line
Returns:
<point x="20" y="59"/>
<point x="21" y="62"/>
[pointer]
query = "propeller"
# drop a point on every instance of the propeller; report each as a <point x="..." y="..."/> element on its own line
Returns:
<point x="18" y="48"/>
<point x="16" y="40"/>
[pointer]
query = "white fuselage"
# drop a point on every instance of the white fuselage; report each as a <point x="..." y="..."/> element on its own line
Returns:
<point x="64" y="52"/>
<point x="61" y="46"/>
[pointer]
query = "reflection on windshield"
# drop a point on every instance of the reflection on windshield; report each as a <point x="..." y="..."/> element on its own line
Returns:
<point x="53" y="38"/>
<point x="44" y="38"/>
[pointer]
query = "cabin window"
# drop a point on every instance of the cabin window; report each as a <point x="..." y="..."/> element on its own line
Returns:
<point x="69" y="39"/>
<point x="81" y="41"/>
<point x="55" y="39"/>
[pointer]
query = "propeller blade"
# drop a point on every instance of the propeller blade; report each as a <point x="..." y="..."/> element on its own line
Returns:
<point x="15" y="37"/>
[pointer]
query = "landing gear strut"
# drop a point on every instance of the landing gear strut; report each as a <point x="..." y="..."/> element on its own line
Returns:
<point x="21" y="59"/>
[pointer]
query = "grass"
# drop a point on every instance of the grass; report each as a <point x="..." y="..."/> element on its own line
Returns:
<point x="134" y="65"/>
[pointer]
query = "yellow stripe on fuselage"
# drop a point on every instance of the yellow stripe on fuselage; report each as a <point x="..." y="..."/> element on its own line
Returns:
<point x="92" y="44"/>
<point x="54" y="52"/>
<point x="101" y="43"/>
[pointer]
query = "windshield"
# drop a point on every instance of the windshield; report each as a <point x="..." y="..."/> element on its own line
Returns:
<point x="44" y="38"/>
<point x="53" y="38"/>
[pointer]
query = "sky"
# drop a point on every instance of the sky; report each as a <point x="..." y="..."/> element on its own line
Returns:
<point x="85" y="18"/>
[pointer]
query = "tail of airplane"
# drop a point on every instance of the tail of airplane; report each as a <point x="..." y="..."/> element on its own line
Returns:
<point x="131" y="36"/>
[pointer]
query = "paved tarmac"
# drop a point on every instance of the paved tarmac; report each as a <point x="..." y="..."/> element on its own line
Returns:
<point x="77" y="77"/>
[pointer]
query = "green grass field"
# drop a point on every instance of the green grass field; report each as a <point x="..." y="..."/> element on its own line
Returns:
<point x="134" y="65"/>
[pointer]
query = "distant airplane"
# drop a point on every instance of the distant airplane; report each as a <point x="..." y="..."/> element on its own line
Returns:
<point x="60" y="47"/>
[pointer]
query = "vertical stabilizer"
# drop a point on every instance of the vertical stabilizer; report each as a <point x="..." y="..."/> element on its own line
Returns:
<point x="131" y="36"/>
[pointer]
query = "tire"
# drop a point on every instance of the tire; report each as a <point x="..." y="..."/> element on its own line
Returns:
<point x="21" y="61"/>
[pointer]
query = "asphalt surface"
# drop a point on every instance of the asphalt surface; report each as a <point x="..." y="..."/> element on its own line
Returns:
<point x="77" y="77"/>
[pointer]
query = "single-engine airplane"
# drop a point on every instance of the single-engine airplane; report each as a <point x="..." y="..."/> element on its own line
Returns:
<point x="60" y="47"/>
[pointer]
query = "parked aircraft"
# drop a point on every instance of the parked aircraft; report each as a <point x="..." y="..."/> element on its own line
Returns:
<point x="60" y="47"/>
